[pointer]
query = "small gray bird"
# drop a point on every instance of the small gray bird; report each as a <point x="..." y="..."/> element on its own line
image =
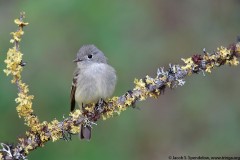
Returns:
<point x="93" y="80"/>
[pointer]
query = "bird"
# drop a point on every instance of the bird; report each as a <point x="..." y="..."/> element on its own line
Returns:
<point x="93" y="79"/>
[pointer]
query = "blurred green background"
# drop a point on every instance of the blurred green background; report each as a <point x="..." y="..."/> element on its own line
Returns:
<point x="199" y="119"/>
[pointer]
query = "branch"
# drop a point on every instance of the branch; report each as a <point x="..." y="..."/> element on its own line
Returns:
<point x="41" y="132"/>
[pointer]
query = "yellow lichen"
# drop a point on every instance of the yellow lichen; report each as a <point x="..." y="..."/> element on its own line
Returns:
<point x="90" y="108"/>
<point x="155" y="94"/>
<point x="120" y="109"/>
<point x="188" y="64"/>
<point x="139" y="84"/>
<point x="13" y="61"/>
<point x="17" y="35"/>
<point x="110" y="113"/>
<point x="149" y="80"/>
<point x="187" y="60"/>
<point x="209" y="67"/>
<point x="32" y="122"/>
<point x="224" y="52"/>
<point x="233" y="62"/>
<point x="43" y="137"/>
<point x="163" y="78"/>
<point x="28" y="148"/>
<point x="20" y="23"/>
<point x="54" y="130"/>
<point x="143" y="97"/>
<point x="76" y="114"/>
<point x="128" y="102"/>
<point x="75" y="129"/>
<point x="24" y="107"/>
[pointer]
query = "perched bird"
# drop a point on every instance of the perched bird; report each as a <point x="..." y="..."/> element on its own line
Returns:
<point x="93" y="80"/>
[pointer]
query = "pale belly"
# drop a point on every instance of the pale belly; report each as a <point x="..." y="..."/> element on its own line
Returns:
<point x="95" y="82"/>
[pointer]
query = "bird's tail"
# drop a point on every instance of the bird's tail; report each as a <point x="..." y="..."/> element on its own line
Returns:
<point x="85" y="132"/>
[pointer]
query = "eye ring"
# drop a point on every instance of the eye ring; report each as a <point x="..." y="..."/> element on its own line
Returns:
<point x="90" y="56"/>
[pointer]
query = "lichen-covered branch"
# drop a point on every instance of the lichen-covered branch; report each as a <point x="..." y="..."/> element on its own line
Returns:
<point x="14" y="67"/>
<point x="41" y="132"/>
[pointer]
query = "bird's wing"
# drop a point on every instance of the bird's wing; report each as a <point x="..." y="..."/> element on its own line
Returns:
<point x="73" y="90"/>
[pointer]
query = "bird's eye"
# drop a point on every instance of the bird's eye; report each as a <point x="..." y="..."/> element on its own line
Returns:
<point x="89" y="56"/>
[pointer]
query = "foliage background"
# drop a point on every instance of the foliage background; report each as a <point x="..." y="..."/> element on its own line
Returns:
<point x="199" y="119"/>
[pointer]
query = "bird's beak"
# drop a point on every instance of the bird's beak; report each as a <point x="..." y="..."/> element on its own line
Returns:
<point x="77" y="60"/>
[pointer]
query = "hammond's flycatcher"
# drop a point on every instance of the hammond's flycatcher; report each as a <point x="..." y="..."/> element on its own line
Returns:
<point x="93" y="80"/>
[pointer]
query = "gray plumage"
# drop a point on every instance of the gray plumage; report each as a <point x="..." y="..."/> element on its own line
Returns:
<point x="93" y="79"/>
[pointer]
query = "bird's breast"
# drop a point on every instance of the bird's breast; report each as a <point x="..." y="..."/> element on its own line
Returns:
<point x="94" y="82"/>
